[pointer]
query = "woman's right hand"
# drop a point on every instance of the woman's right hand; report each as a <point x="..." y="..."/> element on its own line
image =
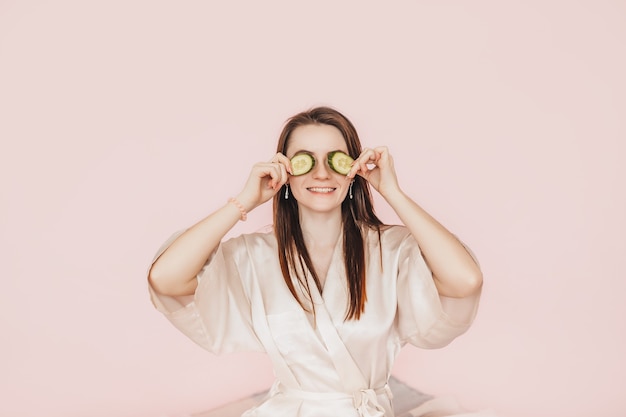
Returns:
<point x="265" y="180"/>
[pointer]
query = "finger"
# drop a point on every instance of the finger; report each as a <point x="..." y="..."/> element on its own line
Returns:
<point x="382" y="153"/>
<point x="283" y="160"/>
<point x="368" y="156"/>
<point x="358" y="165"/>
<point x="267" y="171"/>
<point x="284" y="165"/>
<point x="354" y="169"/>
<point x="273" y="173"/>
<point x="282" y="169"/>
<point x="263" y="172"/>
<point x="278" y="174"/>
<point x="286" y="162"/>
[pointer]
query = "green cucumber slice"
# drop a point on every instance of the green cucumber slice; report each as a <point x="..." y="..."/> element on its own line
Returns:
<point x="340" y="162"/>
<point x="302" y="163"/>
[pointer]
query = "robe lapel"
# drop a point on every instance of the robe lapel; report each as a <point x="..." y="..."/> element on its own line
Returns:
<point x="345" y="365"/>
<point x="335" y="293"/>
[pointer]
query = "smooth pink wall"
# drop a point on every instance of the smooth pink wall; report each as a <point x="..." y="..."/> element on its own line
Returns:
<point x="122" y="121"/>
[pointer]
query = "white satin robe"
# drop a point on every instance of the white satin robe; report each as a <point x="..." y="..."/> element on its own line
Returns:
<point x="334" y="368"/>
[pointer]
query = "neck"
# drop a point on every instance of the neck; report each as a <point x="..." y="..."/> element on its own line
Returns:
<point x="321" y="229"/>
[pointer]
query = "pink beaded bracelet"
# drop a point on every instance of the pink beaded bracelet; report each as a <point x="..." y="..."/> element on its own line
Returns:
<point x="244" y="213"/>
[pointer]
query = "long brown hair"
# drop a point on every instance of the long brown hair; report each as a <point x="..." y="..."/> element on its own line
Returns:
<point x="357" y="217"/>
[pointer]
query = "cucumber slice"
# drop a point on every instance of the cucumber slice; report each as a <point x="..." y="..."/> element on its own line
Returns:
<point x="340" y="162"/>
<point x="302" y="163"/>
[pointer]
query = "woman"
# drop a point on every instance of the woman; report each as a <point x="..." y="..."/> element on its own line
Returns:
<point x="331" y="294"/>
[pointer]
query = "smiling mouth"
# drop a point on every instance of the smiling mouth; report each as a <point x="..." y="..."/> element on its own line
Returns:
<point x="323" y="190"/>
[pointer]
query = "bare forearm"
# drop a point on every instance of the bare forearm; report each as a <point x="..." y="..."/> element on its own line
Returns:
<point x="454" y="270"/>
<point x="175" y="271"/>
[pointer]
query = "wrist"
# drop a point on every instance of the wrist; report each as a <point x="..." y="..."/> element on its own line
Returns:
<point x="392" y="194"/>
<point x="243" y="212"/>
<point x="246" y="202"/>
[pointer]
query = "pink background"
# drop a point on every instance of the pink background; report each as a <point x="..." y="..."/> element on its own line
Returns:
<point x="123" y="121"/>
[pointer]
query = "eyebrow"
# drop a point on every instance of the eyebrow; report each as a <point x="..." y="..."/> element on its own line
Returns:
<point x="311" y="152"/>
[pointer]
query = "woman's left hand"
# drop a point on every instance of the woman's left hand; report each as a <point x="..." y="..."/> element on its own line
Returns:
<point x="376" y="166"/>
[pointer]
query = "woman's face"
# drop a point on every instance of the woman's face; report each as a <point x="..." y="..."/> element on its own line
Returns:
<point x="321" y="189"/>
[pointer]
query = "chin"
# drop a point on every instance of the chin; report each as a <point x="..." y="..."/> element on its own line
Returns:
<point x="320" y="207"/>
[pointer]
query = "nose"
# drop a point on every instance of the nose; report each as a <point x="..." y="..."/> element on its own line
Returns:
<point x="321" y="171"/>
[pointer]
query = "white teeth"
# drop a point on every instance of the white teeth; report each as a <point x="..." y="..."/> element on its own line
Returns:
<point x="321" y="189"/>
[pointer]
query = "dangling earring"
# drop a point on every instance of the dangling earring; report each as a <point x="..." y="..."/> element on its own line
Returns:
<point x="286" y="191"/>
<point x="350" y="189"/>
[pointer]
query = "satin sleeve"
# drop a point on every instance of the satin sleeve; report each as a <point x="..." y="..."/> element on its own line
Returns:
<point x="425" y="318"/>
<point x="218" y="316"/>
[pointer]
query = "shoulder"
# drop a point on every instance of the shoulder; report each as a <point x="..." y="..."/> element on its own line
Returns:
<point x="392" y="238"/>
<point x="395" y="231"/>
<point x="390" y="235"/>
<point x="251" y="242"/>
